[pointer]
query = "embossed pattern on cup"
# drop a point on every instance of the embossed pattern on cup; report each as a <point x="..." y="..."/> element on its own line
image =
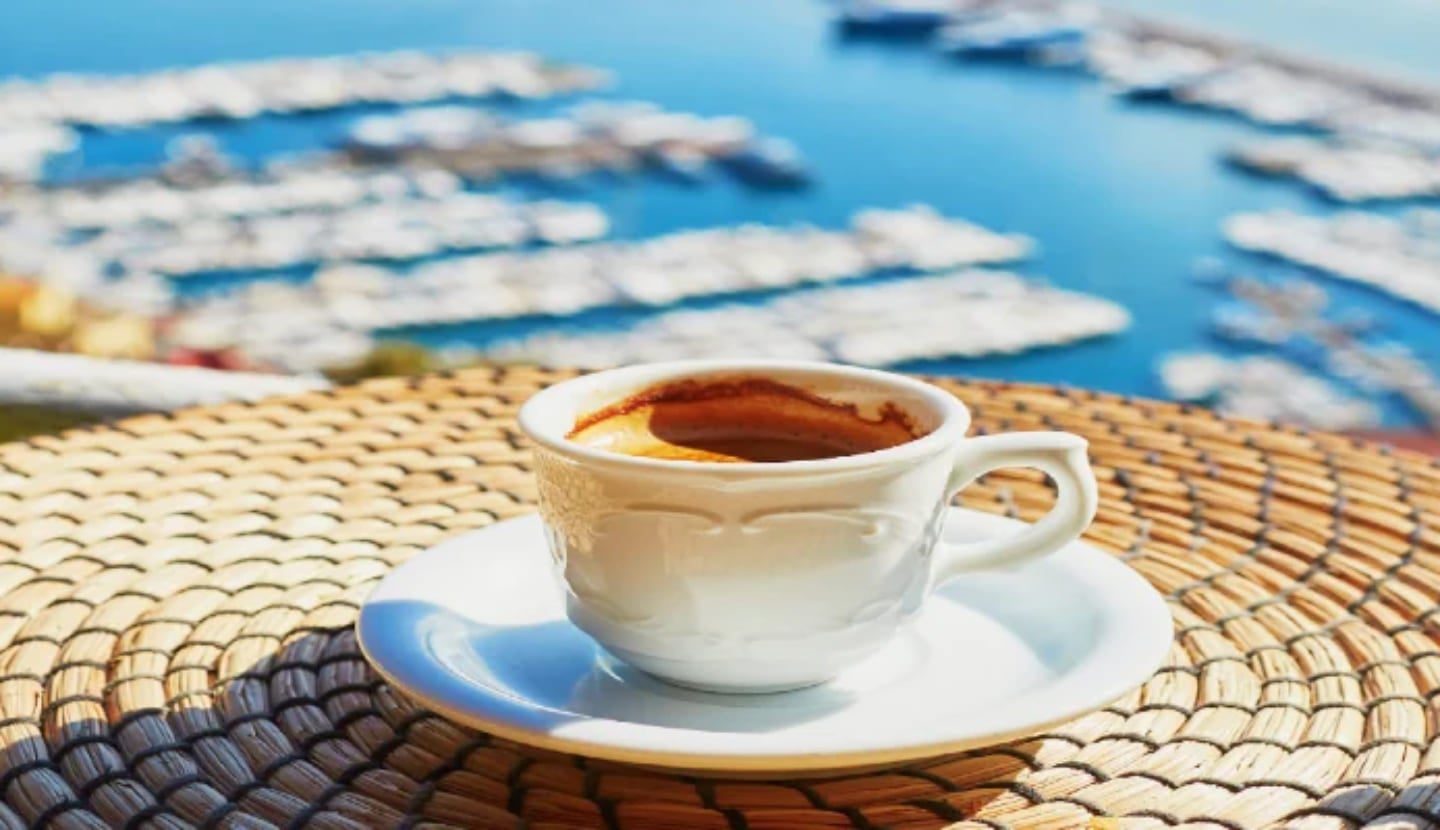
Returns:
<point x="809" y="573"/>
<point x="769" y="576"/>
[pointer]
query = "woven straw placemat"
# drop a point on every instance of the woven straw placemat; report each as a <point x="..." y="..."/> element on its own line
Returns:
<point x="177" y="596"/>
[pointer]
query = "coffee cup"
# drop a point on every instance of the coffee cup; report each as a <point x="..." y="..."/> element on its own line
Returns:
<point x="759" y="526"/>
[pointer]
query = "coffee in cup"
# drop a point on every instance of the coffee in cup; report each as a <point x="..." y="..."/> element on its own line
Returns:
<point x="757" y="526"/>
<point x="751" y="419"/>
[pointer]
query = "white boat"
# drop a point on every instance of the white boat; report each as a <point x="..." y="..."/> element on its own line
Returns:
<point x="1150" y="68"/>
<point x="25" y="148"/>
<point x="1241" y="323"/>
<point x="244" y="90"/>
<point x="895" y="16"/>
<point x="1266" y="388"/>
<point x="1019" y="32"/>
<point x="1158" y="80"/>
<point x="957" y="314"/>
<point x="769" y="162"/>
<point x="378" y="133"/>
<point x="560" y="223"/>
<point x="544" y="134"/>
<point x="682" y="162"/>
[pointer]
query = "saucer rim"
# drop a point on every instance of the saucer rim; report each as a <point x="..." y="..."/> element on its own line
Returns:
<point x="515" y="720"/>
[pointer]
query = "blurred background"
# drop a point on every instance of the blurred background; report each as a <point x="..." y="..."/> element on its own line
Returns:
<point x="1231" y="202"/>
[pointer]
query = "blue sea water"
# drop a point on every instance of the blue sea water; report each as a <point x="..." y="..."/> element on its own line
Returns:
<point x="1122" y="198"/>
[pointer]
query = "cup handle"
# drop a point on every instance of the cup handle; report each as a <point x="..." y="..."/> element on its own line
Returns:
<point x="1059" y="455"/>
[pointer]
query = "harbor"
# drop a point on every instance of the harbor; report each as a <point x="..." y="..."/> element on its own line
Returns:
<point x="154" y="201"/>
<point x="1398" y="256"/>
<point x="1345" y="170"/>
<point x="619" y="137"/>
<point x="335" y="317"/>
<point x="401" y="229"/>
<point x="239" y="91"/>
<point x="1144" y="57"/>
<point x="1248" y="387"/>
<point x="961" y="314"/>
<point x="1372" y="138"/>
<point x="1291" y="323"/>
<point x="311" y="237"/>
<point x="1277" y="87"/>
<point x="377" y="229"/>
<point x="475" y="143"/>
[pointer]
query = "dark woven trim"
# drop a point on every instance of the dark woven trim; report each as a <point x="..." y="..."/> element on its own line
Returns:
<point x="1091" y="770"/>
<point x="401" y="736"/>
<point x="219" y="814"/>
<point x="160" y="749"/>
<point x="308" y="745"/>
<point x="1146" y="775"/>
<point x="11" y="775"/>
<point x="346" y="720"/>
<point x="354" y="771"/>
<point x="177" y="784"/>
<point x="608" y="813"/>
<point x="59" y="754"/>
<point x="117" y="682"/>
<point x="321" y="805"/>
<point x="811" y="795"/>
<point x="278" y="709"/>
<point x="87" y="789"/>
<point x="172" y="702"/>
<point x="415" y="804"/>
<point x="1431" y="816"/>
<point x="1418" y="746"/>
<point x="367" y="687"/>
<point x="249" y="717"/>
<point x="56" y="810"/>
<point x="67" y="700"/>
<point x="144" y="814"/>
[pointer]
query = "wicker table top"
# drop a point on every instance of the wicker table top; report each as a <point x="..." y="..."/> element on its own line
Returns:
<point x="177" y="595"/>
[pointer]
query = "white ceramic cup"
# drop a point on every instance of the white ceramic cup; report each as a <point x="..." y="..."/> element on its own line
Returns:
<point x="762" y="577"/>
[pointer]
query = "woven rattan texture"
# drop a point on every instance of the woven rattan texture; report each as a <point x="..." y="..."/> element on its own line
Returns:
<point x="177" y="595"/>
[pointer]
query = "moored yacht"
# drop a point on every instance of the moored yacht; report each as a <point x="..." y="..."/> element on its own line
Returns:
<point x="1019" y="33"/>
<point x="911" y="17"/>
<point x="771" y="162"/>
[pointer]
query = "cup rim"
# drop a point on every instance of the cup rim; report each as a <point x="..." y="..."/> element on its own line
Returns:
<point x="954" y="417"/>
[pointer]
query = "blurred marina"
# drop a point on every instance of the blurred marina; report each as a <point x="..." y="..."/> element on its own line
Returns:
<point x="1396" y="121"/>
<point x="1291" y="321"/>
<point x="592" y="204"/>
<point x="425" y="217"/>
<point x="334" y="318"/>
<point x="963" y="314"/>
<point x="1397" y="255"/>
<point x="616" y="136"/>
<point x="237" y="91"/>
<point x="1265" y="388"/>
<point x="1346" y="170"/>
<point x="1373" y="138"/>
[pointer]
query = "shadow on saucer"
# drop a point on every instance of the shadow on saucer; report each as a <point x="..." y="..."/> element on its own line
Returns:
<point x="546" y="674"/>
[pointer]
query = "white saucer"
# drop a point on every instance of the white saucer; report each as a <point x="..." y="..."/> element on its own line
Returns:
<point x="475" y="629"/>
